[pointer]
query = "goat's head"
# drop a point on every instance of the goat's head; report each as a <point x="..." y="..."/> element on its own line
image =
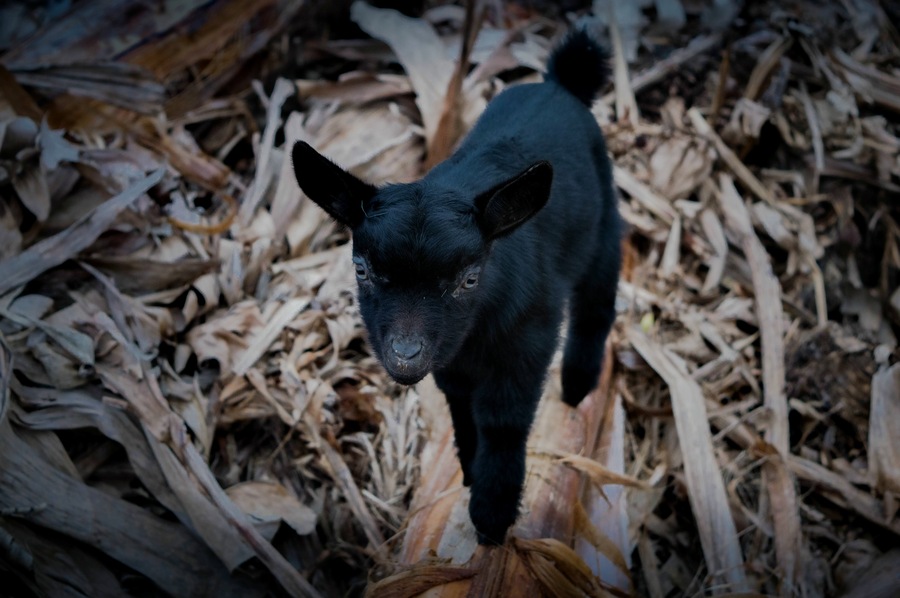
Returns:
<point x="421" y="254"/>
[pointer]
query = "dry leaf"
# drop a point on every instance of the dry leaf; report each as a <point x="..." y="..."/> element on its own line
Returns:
<point x="678" y="166"/>
<point x="419" y="50"/>
<point x="718" y="535"/>
<point x="881" y="580"/>
<point x="417" y="580"/>
<point x="270" y="503"/>
<point x="884" y="430"/>
<point x="597" y="472"/>
<point x="165" y="312"/>
<point x="56" y="249"/>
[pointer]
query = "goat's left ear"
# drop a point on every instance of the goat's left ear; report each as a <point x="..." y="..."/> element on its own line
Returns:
<point x="502" y="209"/>
<point x="336" y="191"/>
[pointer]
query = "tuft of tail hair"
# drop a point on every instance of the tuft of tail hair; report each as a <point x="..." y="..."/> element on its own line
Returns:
<point x="579" y="64"/>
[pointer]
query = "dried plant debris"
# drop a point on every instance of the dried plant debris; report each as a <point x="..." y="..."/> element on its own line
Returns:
<point x="188" y="405"/>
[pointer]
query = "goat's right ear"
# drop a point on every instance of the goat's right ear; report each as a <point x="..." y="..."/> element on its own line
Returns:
<point x="502" y="209"/>
<point x="334" y="189"/>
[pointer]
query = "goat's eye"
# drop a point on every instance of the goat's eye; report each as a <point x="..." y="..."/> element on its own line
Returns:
<point x="362" y="272"/>
<point x="471" y="280"/>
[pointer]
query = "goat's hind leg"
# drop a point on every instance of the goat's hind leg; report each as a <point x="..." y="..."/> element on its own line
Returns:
<point x="592" y="312"/>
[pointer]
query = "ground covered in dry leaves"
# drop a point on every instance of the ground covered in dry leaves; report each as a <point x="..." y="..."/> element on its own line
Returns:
<point x="187" y="403"/>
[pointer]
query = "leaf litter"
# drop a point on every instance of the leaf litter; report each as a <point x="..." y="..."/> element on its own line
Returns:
<point x="187" y="402"/>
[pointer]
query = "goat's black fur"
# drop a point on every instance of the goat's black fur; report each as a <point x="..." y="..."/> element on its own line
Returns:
<point x="466" y="272"/>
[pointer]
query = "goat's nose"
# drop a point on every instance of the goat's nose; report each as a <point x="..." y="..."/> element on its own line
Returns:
<point x="406" y="348"/>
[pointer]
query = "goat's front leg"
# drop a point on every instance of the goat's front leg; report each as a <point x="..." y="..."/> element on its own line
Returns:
<point x="498" y="476"/>
<point x="504" y="411"/>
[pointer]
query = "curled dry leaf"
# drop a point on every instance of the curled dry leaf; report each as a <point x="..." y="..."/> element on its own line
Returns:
<point x="417" y="580"/>
<point x="746" y="122"/>
<point x="54" y="148"/>
<point x="269" y="503"/>
<point x="558" y="570"/>
<point x="679" y="165"/>
<point x="30" y="184"/>
<point x="223" y="337"/>
<point x="597" y="472"/>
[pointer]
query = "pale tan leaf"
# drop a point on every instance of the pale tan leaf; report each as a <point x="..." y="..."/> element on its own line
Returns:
<point x="31" y="186"/>
<point x="557" y="569"/>
<point x="223" y="337"/>
<point x="767" y="289"/>
<point x="670" y="258"/>
<point x="884" y="430"/>
<point x="644" y="195"/>
<point x="31" y="307"/>
<point x="54" y="147"/>
<point x="747" y="120"/>
<point x="288" y="196"/>
<point x="743" y="173"/>
<point x="678" y="166"/>
<point x="671" y="63"/>
<point x="624" y="23"/>
<point x="116" y="83"/>
<point x="417" y="580"/>
<point x="715" y="234"/>
<point x="340" y="473"/>
<point x="264" y="168"/>
<point x="706" y="491"/>
<point x="840" y="491"/>
<point x="68" y="360"/>
<point x="12" y="236"/>
<point x="271" y="502"/>
<point x="609" y="517"/>
<point x="420" y="51"/>
<point x="773" y="222"/>
<point x="604" y="544"/>
<point x="376" y="143"/>
<point x="597" y="472"/>
<point x="263" y="338"/>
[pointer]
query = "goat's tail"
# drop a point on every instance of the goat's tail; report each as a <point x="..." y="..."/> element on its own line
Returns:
<point x="580" y="65"/>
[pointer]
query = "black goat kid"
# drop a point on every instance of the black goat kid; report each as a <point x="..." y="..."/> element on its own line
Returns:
<point x="465" y="273"/>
